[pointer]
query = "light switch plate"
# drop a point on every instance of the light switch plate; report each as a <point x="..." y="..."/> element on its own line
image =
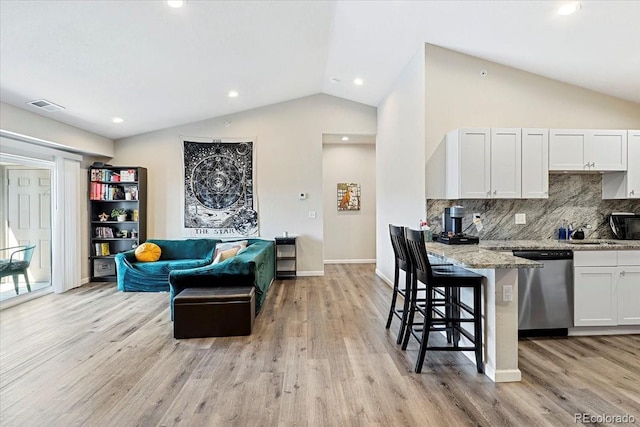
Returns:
<point x="312" y="214"/>
<point x="521" y="218"/>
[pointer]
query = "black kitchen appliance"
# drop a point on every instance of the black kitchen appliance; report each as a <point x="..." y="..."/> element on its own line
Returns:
<point x="452" y="233"/>
<point x="625" y="226"/>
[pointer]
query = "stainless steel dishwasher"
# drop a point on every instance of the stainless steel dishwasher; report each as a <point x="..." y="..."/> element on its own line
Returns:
<point x="545" y="295"/>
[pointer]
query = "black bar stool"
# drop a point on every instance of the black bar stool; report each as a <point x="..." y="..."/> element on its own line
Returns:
<point x="402" y="262"/>
<point x="443" y="308"/>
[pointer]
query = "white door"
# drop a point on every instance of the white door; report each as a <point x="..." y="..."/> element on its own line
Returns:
<point x="29" y="217"/>
<point x="506" y="163"/>
<point x="595" y="296"/>
<point x="566" y="150"/>
<point x="606" y="150"/>
<point x="633" y="164"/>
<point x="535" y="163"/>
<point x="628" y="296"/>
<point x="475" y="163"/>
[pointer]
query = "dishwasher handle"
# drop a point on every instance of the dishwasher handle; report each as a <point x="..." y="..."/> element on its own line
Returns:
<point x="544" y="255"/>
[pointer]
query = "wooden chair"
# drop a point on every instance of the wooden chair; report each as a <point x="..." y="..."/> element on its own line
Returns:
<point x="18" y="261"/>
<point x="443" y="308"/>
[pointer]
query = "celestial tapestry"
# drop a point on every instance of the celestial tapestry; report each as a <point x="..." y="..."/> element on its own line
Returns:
<point x="348" y="196"/>
<point x="218" y="188"/>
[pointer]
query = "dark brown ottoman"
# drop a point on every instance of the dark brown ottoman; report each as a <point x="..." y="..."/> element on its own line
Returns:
<point x="214" y="312"/>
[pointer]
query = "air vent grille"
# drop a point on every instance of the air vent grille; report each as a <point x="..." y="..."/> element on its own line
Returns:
<point x="45" y="105"/>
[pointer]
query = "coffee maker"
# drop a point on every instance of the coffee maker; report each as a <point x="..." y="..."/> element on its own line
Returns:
<point x="452" y="233"/>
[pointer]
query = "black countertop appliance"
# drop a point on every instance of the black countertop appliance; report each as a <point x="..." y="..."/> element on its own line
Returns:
<point x="452" y="225"/>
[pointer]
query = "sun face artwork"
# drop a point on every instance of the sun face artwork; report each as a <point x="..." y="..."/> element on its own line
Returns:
<point x="348" y="196"/>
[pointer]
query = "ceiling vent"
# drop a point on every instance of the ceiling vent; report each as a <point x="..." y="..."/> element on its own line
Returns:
<point x="45" y="105"/>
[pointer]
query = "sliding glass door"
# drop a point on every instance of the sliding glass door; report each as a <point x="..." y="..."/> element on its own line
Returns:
<point x="25" y="218"/>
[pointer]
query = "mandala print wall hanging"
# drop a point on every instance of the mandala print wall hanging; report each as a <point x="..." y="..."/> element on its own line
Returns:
<point x="219" y="188"/>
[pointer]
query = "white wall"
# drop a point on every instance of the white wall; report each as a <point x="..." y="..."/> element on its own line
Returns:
<point x="349" y="236"/>
<point x="53" y="133"/>
<point x="288" y="161"/>
<point x="400" y="159"/>
<point x="458" y="96"/>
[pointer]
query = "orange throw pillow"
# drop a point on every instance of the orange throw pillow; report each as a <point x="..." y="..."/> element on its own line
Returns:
<point x="148" y="252"/>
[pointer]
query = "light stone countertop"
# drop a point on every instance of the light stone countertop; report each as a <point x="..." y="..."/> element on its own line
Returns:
<point x="474" y="256"/>
<point x="489" y="253"/>
<point x="576" y="245"/>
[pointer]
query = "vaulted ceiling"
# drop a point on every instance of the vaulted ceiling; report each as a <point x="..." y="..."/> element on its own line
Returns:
<point x="156" y="66"/>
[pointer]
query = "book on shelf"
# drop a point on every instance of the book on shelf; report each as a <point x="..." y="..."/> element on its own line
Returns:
<point x="104" y="232"/>
<point x="102" y="249"/>
<point x="128" y="175"/>
<point x="105" y="175"/>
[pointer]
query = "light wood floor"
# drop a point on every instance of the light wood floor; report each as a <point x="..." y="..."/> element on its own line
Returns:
<point x="319" y="355"/>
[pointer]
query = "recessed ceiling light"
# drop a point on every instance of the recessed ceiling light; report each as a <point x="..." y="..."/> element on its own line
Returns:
<point x="117" y="120"/>
<point x="358" y="81"/>
<point x="345" y="138"/>
<point x="233" y="94"/>
<point x="569" y="8"/>
<point x="175" y="3"/>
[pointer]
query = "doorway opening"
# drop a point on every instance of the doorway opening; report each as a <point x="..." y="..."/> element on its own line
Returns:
<point x="25" y="220"/>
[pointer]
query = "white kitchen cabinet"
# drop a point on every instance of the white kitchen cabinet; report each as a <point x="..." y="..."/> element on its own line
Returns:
<point x="587" y="150"/>
<point x="595" y="296"/>
<point x="625" y="185"/>
<point x="468" y="163"/>
<point x="629" y="295"/>
<point x="483" y="164"/>
<point x="506" y="163"/>
<point x="606" y="288"/>
<point x="535" y="163"/>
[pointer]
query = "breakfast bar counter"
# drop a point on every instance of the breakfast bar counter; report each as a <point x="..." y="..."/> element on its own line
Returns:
<point x="500" y="307"/>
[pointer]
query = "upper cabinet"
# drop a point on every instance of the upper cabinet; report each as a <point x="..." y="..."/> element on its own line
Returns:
<point x="487" y="163"/>
<point x="535" y="164"/>
<point x="506" y="163"/>
<point x="625" y="185"/>
<point x="587" y="150"/>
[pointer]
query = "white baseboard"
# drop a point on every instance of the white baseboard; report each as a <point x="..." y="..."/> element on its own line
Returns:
<point x="350" y="261"/>
<point x="583" y="331"/>
<point x="309" y="273"/>
<point x="384" y="278"/>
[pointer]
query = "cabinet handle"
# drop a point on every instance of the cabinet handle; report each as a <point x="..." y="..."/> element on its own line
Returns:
<point x="622" y="273"/>
<point x="593" y="164"/>
<point x="488" y="193"/>
<point x="495" y="192"/>
<point x="632" y="192"/>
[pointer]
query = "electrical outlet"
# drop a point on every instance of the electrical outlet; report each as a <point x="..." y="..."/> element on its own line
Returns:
<point x="521" y="218"/>
<point x="302" y="196"/>
<point x="312" y="214"/>
<point x="507" y="293"/>
<point x="475" y="215"/>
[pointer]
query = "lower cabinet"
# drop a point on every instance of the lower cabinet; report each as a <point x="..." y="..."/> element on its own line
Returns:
<point x="596" y="296"/>
<point x="606" y="294"/>
<point x="629" y="296"/>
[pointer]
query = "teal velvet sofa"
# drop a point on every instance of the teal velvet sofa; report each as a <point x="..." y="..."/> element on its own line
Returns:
<point x="254" y="266"/>
<point x="135" y="276"/>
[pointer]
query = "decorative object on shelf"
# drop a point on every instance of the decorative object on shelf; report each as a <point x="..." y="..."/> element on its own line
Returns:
<point x="135" y="215"/>
<point x="348" y="196"/>
<point x="134" y="234"/>
<point x="103" y="216"/>
<point x="120" y="214"/>
<point x="124" y="234"/>
<point x="219" y="186"/>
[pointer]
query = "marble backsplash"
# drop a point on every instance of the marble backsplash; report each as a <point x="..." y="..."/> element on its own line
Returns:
<point x="576" y="198"/>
